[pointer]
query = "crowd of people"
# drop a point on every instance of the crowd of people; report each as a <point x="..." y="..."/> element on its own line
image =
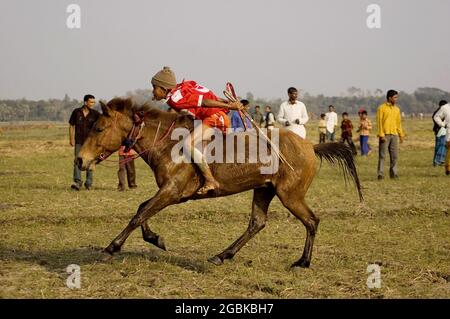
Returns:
<point x="203" y="104"/>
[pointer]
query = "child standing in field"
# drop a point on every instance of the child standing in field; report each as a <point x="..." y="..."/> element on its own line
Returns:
<point x="322" y="129"/>
<point x="364" y="131"/>
<point x="346" y="135"/>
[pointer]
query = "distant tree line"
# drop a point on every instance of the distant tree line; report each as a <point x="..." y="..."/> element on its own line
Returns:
<point x="42" y="110"/>
<point x="422" y="100"/>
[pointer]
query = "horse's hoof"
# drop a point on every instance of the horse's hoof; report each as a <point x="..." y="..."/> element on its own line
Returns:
<point x="160" y="243"/>
<point x="302" y="263"/>
<point x="105" y="256"/>
<point x="112" y="248"/>
<point x="215" y="260"/>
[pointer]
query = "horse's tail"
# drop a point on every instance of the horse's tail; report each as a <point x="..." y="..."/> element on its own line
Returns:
<point x="339" y="153"/>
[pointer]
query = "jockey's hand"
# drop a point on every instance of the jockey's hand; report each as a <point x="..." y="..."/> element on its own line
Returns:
<point x="235" y="106"/>
<point x="382" y="139"/>
<point x="402" y="138"/>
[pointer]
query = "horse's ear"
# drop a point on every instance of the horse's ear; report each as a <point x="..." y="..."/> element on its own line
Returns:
<point x="105" y="108"/>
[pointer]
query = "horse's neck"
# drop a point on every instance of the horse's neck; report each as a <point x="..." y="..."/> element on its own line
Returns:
<point x="149" y="146"/>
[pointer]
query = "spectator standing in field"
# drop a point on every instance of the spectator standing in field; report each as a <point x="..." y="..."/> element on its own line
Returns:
<point x="293" y="114"/>
<point x="442" y="118"/>
<point x="365" y="125"/>
<point x="236" y="121"/>
<point x="346" y="134"/>
<point x="258" y="118"/>
<point x="269" y="118"/>
<point x="81" y="121"/>
<point x="390" y="133"/>
<point x="440" y="139"/>
<point x="322" y="129"/>
<point x="127" y="171"/>
<point x="332" y="122"/>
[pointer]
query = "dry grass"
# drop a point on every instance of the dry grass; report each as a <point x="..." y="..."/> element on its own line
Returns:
<point x="403" y="226"/>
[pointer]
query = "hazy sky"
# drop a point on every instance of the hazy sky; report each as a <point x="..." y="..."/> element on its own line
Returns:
<point x="320" y="46"/>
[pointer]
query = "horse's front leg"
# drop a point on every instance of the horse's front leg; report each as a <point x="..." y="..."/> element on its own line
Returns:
<point x="148" y="235"/>
<point x="166" y="196"/>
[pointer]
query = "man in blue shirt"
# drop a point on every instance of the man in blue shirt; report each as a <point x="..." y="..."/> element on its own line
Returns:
<point x="236" y="122"/>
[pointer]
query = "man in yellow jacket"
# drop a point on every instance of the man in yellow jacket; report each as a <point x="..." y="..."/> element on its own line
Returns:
<point x="390" y="132"/>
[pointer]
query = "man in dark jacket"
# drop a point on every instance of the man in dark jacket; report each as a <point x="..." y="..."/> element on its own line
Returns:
<point x="81" y="121"/>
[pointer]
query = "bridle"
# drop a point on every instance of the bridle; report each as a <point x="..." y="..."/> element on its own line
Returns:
<point x="136" y="131"/>
<point x="135" y="134"/>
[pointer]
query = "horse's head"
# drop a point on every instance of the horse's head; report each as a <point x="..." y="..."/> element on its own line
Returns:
<point x="107" y="134"/>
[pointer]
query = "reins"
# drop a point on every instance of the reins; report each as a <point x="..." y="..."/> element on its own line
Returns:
<point x="135" y="134"/>
<point x="166" y="134"/>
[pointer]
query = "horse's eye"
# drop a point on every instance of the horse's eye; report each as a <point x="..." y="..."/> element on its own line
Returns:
<point x="98" y="129"/>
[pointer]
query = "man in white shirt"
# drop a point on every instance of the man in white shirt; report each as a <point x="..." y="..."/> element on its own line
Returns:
<point x="293" y="114"/>
<point x="332" y="121"/>
<point x="442" y="118"/>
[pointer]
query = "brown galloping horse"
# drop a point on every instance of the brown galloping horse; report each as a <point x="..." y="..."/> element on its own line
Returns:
<point x="179" y="182"/>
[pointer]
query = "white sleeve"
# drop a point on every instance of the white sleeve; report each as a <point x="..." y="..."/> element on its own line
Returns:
<point x="304" y="118"/>
<point x="438" y="118"/>
<point x="447" y="119"/>
<point x="281" y="115"/>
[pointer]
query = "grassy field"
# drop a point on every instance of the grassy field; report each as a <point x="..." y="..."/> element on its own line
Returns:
<point x="404" y="226"/>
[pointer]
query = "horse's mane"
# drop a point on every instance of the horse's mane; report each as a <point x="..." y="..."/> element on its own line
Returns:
<point x="130" y="106"/>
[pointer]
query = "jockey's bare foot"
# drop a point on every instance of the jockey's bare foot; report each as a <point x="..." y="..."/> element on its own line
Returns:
<point x="208" y="186"/>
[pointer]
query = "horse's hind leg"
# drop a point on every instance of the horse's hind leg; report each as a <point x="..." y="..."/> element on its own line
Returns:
<point x="261" y="200"/>
<point x="300" y="210"/>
